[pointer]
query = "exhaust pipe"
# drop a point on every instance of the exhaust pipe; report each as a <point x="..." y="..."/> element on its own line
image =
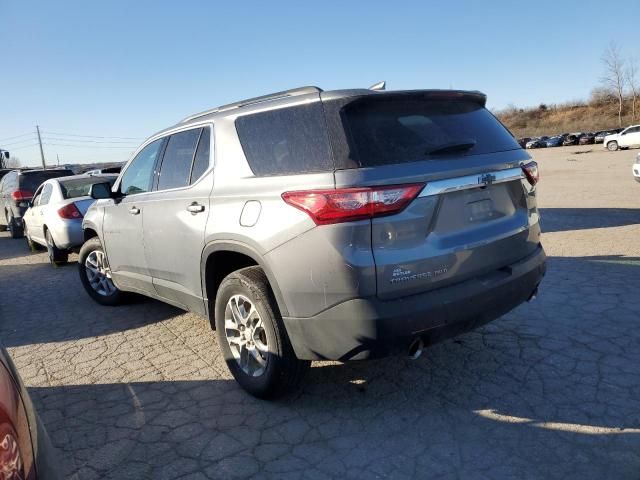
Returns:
<point x="415" y="349"/>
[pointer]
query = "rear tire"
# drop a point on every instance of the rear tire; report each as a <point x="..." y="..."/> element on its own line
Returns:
<point x="15" y="229"/>
<point x="277" y="370"/>
<point x="101" y="289"/>
<point x="612" y="146"/>
<point x="57" y="257"/>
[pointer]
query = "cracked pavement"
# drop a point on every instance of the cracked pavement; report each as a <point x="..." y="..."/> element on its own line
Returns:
<point x="550" y="390"/>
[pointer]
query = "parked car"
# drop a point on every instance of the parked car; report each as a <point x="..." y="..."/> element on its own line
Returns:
<point x="16" y="190"/>
<point x="571" y="139"/>
<point x="54" y="218"/>
<point x="523" y="141"/>
<point x="636" y="168"/>
<point x="25" y="448"/>
<point x="102" y="171"/>
<point x="539" y="142"/>
<point x="629" y="137"/>
<point x="407" y="250"/>
<point x="586" y="139"/>
<point x="555" y="141"/>
<point x="599" y="136"/>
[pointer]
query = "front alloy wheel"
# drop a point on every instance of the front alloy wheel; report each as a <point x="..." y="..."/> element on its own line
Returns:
<point x="98" y="273"/>
<point x="95" y="274"/>
<point x="612" y="146"/>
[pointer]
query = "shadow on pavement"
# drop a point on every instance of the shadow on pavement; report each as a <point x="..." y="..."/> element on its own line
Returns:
<point x="566" y="219"/>
<point x="548" y="391"/>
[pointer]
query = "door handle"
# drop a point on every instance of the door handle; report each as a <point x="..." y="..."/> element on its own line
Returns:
<point x="134" y="210"/>
<point x="195" y="208"/>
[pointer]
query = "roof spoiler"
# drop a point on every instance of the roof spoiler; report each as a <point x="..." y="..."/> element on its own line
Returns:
<point x="250" y="101"/>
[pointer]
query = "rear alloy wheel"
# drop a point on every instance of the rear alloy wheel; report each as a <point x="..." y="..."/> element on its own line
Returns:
<point x="612" y="146"/>
<point x="56" y="256"/>
<point x="252" y="336"/>
<point x="95" y="274"/>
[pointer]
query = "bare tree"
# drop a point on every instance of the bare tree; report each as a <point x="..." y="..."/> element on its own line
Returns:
<point x="12" y="162"/>
<point x="614" y="74"/>
<point x="632" y="80"/>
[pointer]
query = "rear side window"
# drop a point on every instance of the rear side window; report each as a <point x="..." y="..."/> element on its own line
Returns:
<point x="177" y="160"/>
<point x="46" y="194"/>
<point x="201" y="161"/>
<point x="391" y="130"/>
<point x="285" y="141"/>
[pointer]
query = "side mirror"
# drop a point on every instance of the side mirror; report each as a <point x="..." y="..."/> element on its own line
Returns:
<point x="100" y="190"/>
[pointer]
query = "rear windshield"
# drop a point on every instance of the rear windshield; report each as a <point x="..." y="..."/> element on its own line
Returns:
<point x="286" y="141"/>
<point x="391" y="130"/>
<point x="79" y="187"/>
<point x="32" y="180"/>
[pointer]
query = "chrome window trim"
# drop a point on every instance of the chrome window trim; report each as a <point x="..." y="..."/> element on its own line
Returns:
<point x="467" y="182"/>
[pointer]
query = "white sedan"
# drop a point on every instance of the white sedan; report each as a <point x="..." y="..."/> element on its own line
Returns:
<point x="54" y="217"/>
<point x="629" y="137"/>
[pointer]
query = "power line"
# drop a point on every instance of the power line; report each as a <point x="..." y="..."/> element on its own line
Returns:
<point x="17" y="136"/>
<point x="25" y="146"/>
<point x="90" y="136"/>
<point x="87" y="141"/>
<point x="88" y="146"/>
<point x="16" y="143"/>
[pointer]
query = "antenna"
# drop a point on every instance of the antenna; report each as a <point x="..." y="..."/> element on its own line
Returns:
<point x="379" y="86"/>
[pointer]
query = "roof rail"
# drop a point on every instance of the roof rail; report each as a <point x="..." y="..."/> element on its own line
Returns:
<point x="250" y="101"/>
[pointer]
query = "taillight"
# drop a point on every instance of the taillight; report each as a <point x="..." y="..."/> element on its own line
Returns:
<point x="70" y="212"/>
<point x="348" y="204"/>
<point x="21" y="195"/>
<point x="531" y="172"/>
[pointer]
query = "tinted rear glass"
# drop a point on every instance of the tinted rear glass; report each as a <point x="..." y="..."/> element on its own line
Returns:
<point x="383" y="131"/>
<point x="286" y="141"/>
<point x="32" y="180"/>
<point x="79" y="187"/>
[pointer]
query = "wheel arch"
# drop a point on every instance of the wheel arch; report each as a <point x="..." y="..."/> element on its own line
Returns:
<point x="230" y="251"/>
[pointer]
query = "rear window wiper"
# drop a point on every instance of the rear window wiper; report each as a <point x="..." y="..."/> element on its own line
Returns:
<point x="452" y="147"/>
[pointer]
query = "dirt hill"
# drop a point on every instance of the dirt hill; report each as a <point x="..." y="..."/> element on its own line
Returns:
<point x="589" y="116"/>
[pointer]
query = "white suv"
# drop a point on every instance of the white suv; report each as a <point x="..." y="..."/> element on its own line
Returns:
<point x="629" y="137"/>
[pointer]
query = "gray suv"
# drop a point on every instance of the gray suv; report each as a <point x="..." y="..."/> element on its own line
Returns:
<point x="313" y="225"/>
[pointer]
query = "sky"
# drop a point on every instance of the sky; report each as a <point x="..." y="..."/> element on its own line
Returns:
<point x="99" y="77"/>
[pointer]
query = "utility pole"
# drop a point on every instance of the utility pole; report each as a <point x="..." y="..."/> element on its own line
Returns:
<point x="58" y="157"/>
<point x="44" y="166"/>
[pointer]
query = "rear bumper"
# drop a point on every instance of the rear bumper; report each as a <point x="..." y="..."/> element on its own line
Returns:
<point x="68" y="234"/>
<point x="368" y="327"/>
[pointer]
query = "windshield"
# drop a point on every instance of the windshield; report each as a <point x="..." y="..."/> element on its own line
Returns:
<point x="402" y="129"/>
<point x="79" y="187"/>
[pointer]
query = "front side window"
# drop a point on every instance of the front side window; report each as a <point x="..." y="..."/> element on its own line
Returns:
<point x="177" y="160"/>
<point x="137" y="177"/>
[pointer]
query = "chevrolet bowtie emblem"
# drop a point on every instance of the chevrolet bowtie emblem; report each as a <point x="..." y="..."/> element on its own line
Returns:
<point x="486" y="179"/>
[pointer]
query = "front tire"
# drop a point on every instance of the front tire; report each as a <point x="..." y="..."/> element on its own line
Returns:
<point x="33" y="246"/>
<point x="252" y="336"/>
<point x="95" y="274"/>
<point x="612" y="146"/>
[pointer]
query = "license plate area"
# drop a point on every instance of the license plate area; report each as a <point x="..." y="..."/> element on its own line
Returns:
<point x="480" y="210"/>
